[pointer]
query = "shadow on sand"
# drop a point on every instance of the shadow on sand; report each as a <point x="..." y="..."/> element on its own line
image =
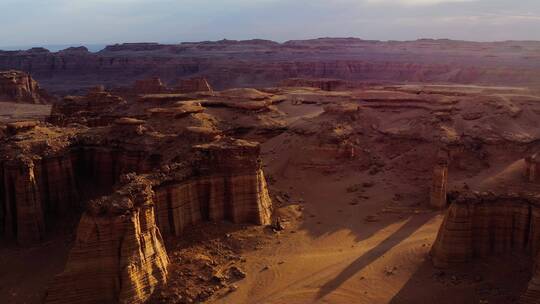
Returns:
<point x="412" y="225"/>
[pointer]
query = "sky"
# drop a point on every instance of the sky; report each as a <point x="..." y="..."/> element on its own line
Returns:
<point x="50" y="22"/>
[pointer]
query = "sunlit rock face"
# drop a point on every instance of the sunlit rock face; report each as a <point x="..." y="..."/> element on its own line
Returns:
<point x="119" y="255"/>
<point x="123" y="231"/>
<point x="17" y="86"/>
<point x="478" y="225"/>
<point x="50" y="172"/>
<point x="226" y="183"/>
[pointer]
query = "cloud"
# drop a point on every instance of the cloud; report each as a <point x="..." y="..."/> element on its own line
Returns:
<point x="416" y="2"/>
<point x="28" y="22"/>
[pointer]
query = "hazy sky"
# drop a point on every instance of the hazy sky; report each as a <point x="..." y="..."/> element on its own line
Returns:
<point x="40" y="22"/>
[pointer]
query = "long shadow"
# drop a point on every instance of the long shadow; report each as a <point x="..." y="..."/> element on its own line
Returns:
<point x="413" y="224"/>
<point x="498" y="280"/>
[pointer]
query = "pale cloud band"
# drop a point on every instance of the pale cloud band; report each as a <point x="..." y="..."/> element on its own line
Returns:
<point x="27" y="22"/>
<point x="416" y="2"/>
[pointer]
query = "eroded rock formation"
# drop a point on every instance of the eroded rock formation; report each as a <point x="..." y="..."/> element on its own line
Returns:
<point x="149" y="86"/>
<point x="226" y="183"/>
<point x="478" y="225"/>
<point x="439" y="185"/>
<point x="94" y="109"/>
<point x="241" y="64"/>
<point x="323" y="84"/>
<point x="164" y="173"/>
<point x="119" y="249"/>
<point x="196" y="84"/>
<point x="119" y="255"/>
<point x="532" y="168"/>
<point x="16" y="86"/>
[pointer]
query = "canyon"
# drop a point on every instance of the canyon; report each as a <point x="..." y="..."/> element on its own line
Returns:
<point x="261" y="63"/>
<point x="326" y="170"/>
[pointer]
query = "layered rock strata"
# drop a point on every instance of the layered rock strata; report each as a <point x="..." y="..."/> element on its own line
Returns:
<point x="479" y="225"/>
<point x="191" y="85"/>
<point x="16" y="86"/>
<point x="119" y="249"/>
<point x="226" y="183"/>
<point x="439" y="184"/>
<point x="47" y="175"/>
<point x="119" y="255"/>
<point x="94" y="109"/>
<point x="532" y="168"/>
<point x="323" y="84"/>
<point x="149" y="86"/>
<point x="254" y="64"/>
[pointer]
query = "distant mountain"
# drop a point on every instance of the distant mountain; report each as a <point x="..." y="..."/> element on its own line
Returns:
<point x="55" y="47"/>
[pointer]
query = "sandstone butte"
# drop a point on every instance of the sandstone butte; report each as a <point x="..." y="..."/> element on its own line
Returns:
<point x="119" y="255"/>
<point x="145" y="163"/>
<point x="19" y="87"/>
<point x="482" y="224"/>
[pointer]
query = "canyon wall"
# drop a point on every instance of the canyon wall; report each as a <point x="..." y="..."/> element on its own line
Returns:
<point x="227" y="184"/>
<point x="532" y="294"/>
<point x="38" y="189"/>
<point x="119" y="249"/>
<point x="439" y="185"/>
<point x="119" y="255"/>
<point x="532" y="168"/>
<point x="16" y="86"/>
<point x="251" y="63"/>
<point x="94" y="109"/>
<point x="195" y="84"/>
<point x="479" y="225"/>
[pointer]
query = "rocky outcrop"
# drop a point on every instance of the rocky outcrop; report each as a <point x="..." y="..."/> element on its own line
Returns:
<point x="437" y="197"/>
<point x="191" y="85"/>
<point x="151" y="85"/>
<point x="532" y="294"/>
<point x="479" y="225"/>
<point x="119" y="250"/>
<point x="94" y="109"/>
<point x="323" y="84"/>
<point x="119" y="255"/>
<point x="16" y="86"/>
<point x="23" y="214"/>
<point x="532" y="168"/>
<point x="225" y="183"/>
<point x="51" y="171"/>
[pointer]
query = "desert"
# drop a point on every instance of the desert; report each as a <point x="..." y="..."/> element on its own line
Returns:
<point x="309" y="191"/>
<point x="270" y="152"/>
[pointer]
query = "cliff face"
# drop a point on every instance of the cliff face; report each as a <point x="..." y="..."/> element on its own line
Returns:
<point x="119" y="250"/>
<point x="240" y="64"/>
<point x="16" y="86"/>
<point x="323" y="84"/>
<point x="532" y="168"/>
<point x="479" y="225"/>
<point x="482" y="225"/>
<point x="23" y="212"/>
<point x="94" y="109"/>
<point x="195" y="84"/>
<point x="227" y="184"/>
<point x="151" y="85"/>
<point x="38" y="189"/>
<point x="532" y="294"/>
<point x="118" y="256"/>
<point x="440" y="181"/>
